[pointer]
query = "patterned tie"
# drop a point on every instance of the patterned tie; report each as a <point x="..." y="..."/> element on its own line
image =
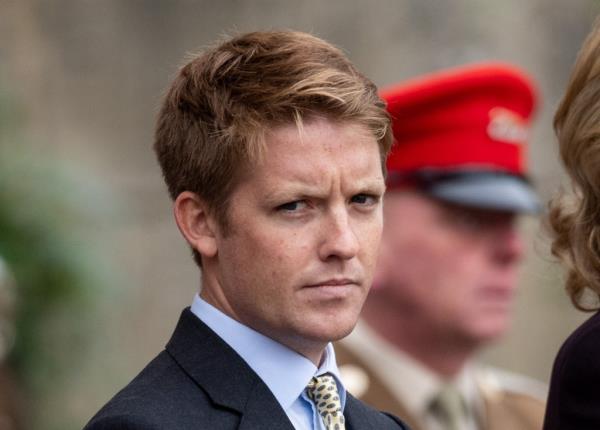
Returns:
<point x="449" y="406"/>
<point x="322" y="390"/>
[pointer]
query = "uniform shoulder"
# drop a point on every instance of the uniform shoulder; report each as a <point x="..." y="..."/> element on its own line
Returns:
<point x="149" y="400"/>
<point x="496" y="382"/>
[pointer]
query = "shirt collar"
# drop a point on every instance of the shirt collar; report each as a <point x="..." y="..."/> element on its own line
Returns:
<point x="282" y="369"/>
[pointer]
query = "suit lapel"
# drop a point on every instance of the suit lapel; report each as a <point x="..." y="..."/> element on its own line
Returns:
<point x="224" y="375"/>
<point x="354" y="419"/>
<point x="263" y="411"/>
<point x="361" y="417"/>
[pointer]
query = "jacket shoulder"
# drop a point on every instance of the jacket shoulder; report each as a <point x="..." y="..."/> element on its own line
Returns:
<point x="120" y="422"/>
<point x="162" y="396"/>
<point x="581" y="344"/>
<point x="576" y="373"/>
<point x="577" y="364"/>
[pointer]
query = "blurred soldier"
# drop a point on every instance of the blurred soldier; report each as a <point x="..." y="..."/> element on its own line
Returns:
<point x="450" y="252"/>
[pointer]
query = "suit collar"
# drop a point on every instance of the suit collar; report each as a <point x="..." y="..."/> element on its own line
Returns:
<point x="282" y="369"/>
<point x="230" y="382"/>
<point x="223" y="374"/>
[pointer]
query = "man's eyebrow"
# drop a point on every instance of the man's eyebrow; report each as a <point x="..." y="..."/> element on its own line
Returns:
<point x="293" y="189"/>
<point x="297" y="189"/>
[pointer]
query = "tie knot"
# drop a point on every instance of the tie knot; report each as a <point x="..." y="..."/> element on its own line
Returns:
<point x="322" y="387"/>
<point x="322" y="390"/>
<point x="449" y="405"/>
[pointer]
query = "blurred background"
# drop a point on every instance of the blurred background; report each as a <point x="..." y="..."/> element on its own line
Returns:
<point x="93" y="273"/>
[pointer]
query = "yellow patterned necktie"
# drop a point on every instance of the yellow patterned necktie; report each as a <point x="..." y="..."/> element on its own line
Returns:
<point x="322" y="390"/>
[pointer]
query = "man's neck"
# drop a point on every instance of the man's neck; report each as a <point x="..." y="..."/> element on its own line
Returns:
<point x="438" y="352"/>
<point x="314" y="351"/>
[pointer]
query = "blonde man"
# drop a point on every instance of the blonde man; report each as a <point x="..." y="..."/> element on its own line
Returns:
<point x="272" y="147"/>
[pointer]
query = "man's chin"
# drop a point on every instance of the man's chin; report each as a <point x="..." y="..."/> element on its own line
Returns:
<point x="490" y="331"/>
<point x="332" y="332"/>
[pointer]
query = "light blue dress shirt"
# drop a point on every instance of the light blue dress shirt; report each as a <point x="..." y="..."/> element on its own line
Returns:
<point x="283" y="370"/>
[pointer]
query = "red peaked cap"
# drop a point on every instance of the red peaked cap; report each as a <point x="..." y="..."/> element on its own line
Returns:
<point x="469" y="118"/>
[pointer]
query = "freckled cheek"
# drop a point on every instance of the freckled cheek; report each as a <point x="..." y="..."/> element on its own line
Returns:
<point x="286" y="259"/>
<point x="293" y="245"/>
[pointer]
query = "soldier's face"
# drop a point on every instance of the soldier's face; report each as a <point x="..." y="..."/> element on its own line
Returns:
<point x="305" y="226"/>
<point x="451" y="268"/>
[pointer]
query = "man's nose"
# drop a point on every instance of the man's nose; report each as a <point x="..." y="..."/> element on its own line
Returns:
<point x="509" y="246"/>
<point x="339" y="241"/>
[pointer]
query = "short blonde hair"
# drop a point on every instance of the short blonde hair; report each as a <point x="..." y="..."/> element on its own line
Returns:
<point x="575" y="219"/>
<point x="215" y="114"/>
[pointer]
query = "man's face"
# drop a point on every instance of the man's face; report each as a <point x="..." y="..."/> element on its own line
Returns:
<point x="450" y="269"/>
<point x="305" y="226"/>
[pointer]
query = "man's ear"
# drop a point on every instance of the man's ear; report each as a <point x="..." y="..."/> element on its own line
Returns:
<point x="195" y="223"/>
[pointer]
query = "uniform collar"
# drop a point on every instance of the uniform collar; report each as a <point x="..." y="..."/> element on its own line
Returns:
<point x="418" y="384"/>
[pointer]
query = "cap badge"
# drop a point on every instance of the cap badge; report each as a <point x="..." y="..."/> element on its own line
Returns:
<point x="507" y="126"/>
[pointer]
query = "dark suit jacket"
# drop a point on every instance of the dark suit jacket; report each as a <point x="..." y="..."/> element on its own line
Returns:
<point x="199" y="382"/>
<point x="574" y="397"/>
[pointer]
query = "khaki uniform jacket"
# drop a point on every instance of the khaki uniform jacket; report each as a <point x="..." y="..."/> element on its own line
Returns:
<point x="505" y="409"/>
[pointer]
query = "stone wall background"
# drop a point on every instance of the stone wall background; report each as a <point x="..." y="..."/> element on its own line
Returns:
<point x="87" y="77"/>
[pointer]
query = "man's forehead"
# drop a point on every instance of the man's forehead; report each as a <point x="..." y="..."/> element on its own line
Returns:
<point x="303" y="128"/>
<point x="289" y="145"/>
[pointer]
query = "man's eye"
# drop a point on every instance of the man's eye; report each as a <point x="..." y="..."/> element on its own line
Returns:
<point x="469" y="221"/>
<point x="292" y="206"/>
<point x="364" y="199"/>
